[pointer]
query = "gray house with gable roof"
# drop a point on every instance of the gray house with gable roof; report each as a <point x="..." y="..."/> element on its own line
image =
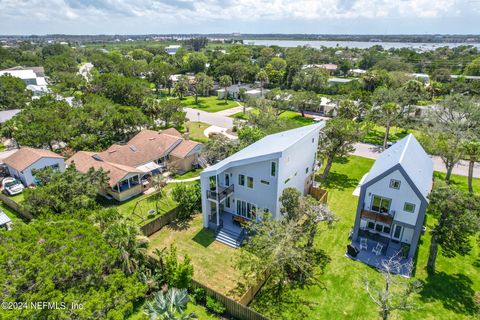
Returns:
<point x="393" y="200"/>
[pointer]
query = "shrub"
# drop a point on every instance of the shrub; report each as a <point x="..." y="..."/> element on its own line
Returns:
<point x="173" y="272"/>
<point x="188" y="197"/>
<point x="215" y="306"/>
<point x="198" y="295"/>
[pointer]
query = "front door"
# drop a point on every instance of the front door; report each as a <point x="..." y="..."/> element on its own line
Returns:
<point x="397" y="232"/>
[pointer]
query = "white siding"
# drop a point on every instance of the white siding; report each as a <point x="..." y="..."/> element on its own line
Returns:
<point x="294" y="162"/>
<point x="407" y="235"/>
<point x="399" y="197"/>
<point x="262" y="195"/>
<point x="26" y="175"/>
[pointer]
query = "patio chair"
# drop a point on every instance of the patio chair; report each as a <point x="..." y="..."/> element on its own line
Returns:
<point x="378" y="249"/>
<point x="363" y="244"/>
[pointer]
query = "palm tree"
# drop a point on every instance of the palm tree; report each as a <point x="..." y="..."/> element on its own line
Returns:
<point x="166" y="306"/>
<point x="471" y="149"/>
<point x="262" y="76"/>
<point x="225" y="82"/>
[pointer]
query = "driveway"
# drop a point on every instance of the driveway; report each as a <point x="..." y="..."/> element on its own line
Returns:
<point x="372" y="151"/>
<point x="213" y="119"/>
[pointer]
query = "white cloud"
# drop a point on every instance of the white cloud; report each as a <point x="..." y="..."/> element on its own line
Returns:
<point x="169" y="13"/>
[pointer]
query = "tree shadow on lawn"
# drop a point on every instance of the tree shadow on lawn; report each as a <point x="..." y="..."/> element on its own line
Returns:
<point x="338" y="181"/>
<point x="454" y="291"/>
<point x="204" y="237"/>
<point x="180" y="225"/>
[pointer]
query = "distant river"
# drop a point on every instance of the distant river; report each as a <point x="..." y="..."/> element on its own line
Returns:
<point x="355" y="44"/>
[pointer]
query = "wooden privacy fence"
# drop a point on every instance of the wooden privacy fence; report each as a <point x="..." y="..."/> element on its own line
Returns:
<point x="319" y="194"/>
<point x="233" y="307"/>
<point x="157" y="224"/>
<point x="251" y="292"/>
<point x="15" y="207"/>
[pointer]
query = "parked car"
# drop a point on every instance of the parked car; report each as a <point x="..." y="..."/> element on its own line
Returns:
<point x="12" y="186"/>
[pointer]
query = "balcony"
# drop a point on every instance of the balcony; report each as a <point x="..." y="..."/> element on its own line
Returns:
<point x="384" y="217"/>
<point x="221" y="194"/>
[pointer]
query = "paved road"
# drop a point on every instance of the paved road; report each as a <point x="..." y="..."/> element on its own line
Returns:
<point x="372" y="152"/>
<point x="213" y="119"/>
<point x="361" y="149"/>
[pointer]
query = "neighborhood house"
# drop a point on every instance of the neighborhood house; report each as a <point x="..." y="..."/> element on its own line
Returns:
<point x="243" y="186"/>
<point x="21" y="163"/>
<point x="34" y="78"/>
<point x="130" y="166"/>
<point x="392" y="203"/>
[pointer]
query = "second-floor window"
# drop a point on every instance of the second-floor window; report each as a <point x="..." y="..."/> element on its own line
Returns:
<point x="395" y="184"/>
<point x="273" y="169"/>
<point x="380" y="204"/>
<point x="250" y="182"/>
<point x="241" y="179"/>
<point x="409" y="207"/>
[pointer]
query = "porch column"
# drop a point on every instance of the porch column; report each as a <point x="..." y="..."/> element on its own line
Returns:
<point x="204" y="187"/>
<point x="218" y="213"/>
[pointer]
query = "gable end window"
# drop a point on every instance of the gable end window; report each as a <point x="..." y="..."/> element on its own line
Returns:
<point x="273" y="169"/>
<point x="241" y="179"/>
<point x="395" y="184"/>
<point x="409" y="207"/>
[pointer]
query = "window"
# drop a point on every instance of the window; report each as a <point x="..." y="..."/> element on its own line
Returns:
<point x="371" y="225"/>
<point x="55" y="167"/>
<point x="386" y="229"/>
<point x="273" y="169"/>
<point x="241" y="179"/>
<point x="380" y="204"/>
<point x="250" y="182"/>
<point x="286" y="181"/>
<point x="394" y="184"/>
<point x="306" y="170"/>
<point x="227" y="202"/>
<point x="379" y="227"/>
<point x="265" y="182"/>
<point x="246" y="209"/>
<point x="409" y="207"/>
<point x="313" y="140"/>
<point x="134" y="181"/>
<point x="227" y="179"/>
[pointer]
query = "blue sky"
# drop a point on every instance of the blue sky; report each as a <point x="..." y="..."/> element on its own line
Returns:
<point x="245" y="16"/>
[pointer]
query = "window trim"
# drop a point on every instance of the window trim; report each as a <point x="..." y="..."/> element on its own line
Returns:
<point x="241" y="179"/>
<point x="409" y="203"/>
<point x="273" y="168"/>
<point x="250" y="178"/>
<point x="393" y="181"/>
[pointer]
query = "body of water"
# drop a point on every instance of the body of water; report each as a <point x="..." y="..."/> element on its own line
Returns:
<point x="355" y="44"/>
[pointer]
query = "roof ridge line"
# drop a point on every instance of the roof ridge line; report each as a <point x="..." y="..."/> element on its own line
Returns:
<point x="409" y="138"/>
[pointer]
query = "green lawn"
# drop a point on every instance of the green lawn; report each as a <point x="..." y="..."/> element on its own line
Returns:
<point x="212" y="261"/>
<point x="446" y="295"/>
<point x="138" y="207"/>
<point x="209" y="104"/>
<point x="190" y="174"/>
<point x="196" y="130"/>
<point x="376" y="134"/>
<point x="292" y="119"/>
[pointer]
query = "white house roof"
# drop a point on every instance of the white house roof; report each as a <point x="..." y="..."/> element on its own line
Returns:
<point x="4" y="219"/>
<point x="8" y="114"/>
<point x="270" y="147"/>
<point x="22" y="74"/>
<point x="409" y="154"/>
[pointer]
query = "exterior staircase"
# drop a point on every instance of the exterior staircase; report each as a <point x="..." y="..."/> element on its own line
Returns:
<point x="202" y="162"/>
<point x="229" y="237"/>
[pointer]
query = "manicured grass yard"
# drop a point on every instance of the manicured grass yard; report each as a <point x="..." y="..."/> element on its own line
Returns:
<point x="196" y="130"/>
<point x="376" y="134"/>
<point x="190" y="174"/>
<point x="146" y="202"/>
<point x="209" y="104"/>
<point x="212" y="261"/>
<point x="292" y="119"/>
<point x="446" y="295"/>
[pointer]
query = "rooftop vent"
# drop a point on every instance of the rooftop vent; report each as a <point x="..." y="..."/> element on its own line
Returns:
<point x="97" y="157"/>
<point x="133" y="148"/>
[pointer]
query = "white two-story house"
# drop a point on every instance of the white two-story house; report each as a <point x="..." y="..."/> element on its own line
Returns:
<point x="393" y="200"/>
<point x="245" y="185"/>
